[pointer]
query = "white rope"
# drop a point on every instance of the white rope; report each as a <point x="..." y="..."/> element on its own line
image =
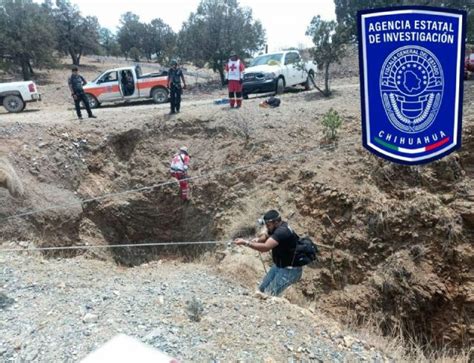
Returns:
<point x="127" y="245"/>
<point x="87" y="247"/>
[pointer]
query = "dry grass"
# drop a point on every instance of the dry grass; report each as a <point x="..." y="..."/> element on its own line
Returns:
<point x="237" y="264"/>
<point x="245" y="223"/>
<point x="452" y="227"/>
<point x="244" y="127"/>
<point x="294" y="295"/>
<point x="398" y="346"/>
<point x="417" y="253"/>
<point x="9" y="179"/>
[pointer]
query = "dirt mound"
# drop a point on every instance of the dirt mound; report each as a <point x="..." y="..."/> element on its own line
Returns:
<point x="403" y="252"/>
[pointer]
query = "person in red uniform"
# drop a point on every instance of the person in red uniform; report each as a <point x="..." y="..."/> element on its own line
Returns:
<point x="234" y="74"/>
<point x="179" y="170"/>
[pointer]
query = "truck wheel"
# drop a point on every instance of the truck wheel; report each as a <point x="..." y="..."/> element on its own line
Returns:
<point x="93" y="103"/>
<point x="13" y="103"/>
<point x="245" y="96"/>
<point x="280" y="87"/>
<point x="309" y="84"/>
<point x="159" y="95"/>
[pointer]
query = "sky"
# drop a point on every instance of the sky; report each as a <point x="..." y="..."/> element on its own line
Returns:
<point x="285" y="21"/>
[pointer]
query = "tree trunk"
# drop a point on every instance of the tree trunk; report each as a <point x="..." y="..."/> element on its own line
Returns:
<point x="327" y="91"/>
<point x="25" y="69"/>
<point x="74" y="57"/>
<point x="312" y="79"/>
<point x="220" y="69"/>
<point x="30" y="68"/>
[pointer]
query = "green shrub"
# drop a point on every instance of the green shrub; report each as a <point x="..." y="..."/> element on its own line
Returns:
<point x="331" y="122"/>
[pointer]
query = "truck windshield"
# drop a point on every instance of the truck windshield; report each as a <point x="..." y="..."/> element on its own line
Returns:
<point x="266" y="59"/>
<point x="98" y="77"/>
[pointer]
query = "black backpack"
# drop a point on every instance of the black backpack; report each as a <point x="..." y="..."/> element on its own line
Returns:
<point x="306" y="252"/>
<point x="273" y="102"/>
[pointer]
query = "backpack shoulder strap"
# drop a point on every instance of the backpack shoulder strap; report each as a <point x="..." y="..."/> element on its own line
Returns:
<point x="298" y="239"/>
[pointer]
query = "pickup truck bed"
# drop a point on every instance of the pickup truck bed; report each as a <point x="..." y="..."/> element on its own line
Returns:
<point x="15" y="95"/>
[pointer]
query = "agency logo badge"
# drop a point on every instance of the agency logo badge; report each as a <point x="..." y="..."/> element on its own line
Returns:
<point x="411" y="75"/>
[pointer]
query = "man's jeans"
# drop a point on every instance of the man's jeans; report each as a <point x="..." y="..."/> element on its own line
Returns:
<point x="81" y="96"/>
<point x="278" y="279"/>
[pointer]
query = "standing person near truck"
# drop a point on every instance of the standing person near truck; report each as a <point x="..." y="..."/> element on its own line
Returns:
<point x="234" y="74"/>
<point x="129" y="83"/>
<point x="75" y="82"/>
<point x="179" y="169"/>
<point x="175" y="76"/>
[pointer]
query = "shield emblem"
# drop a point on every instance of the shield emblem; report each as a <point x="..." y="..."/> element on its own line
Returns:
<point x="411" y="76"/>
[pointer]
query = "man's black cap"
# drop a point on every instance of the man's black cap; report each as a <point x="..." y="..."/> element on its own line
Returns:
<point x="271" y="215"/>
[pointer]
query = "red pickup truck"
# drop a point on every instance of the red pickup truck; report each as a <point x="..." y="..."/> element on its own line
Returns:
<point x="468" y="65"/>
<point x="125" y="84"/>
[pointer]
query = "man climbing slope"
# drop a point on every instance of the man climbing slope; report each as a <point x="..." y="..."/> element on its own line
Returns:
<point x="282" y="241"/>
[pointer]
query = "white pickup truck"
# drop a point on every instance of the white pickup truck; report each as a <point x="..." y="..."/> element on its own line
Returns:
<point x="273" y="72"/>
<point x="15" y="95"/>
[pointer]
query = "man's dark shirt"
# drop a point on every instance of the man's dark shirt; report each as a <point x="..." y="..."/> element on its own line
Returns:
<point x="76" y="81"/>
<point x="283" y="254"/>
<point x="174" y="76"/>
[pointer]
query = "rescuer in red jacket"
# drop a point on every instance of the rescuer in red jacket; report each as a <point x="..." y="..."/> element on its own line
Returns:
<point x="234" y="74"/>
<point x="179" y="169"/>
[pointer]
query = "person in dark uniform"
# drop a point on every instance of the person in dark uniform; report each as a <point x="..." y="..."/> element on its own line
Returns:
<point x="75" y="82"/>
<point x="128" y="82"/>
<point x="175" y="76"/>
<point x="281" y="240"/>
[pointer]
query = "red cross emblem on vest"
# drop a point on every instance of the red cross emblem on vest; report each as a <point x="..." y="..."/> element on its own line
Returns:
<point x="233" y="67"/>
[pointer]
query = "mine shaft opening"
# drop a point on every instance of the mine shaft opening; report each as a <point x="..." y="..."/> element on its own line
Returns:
<point x="139" y="157"/>
<point x="154" y="217"/>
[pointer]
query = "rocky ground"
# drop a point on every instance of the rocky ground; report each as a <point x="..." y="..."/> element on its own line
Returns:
<point x="62" y="309"/>
<point x="401" y="237"/>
